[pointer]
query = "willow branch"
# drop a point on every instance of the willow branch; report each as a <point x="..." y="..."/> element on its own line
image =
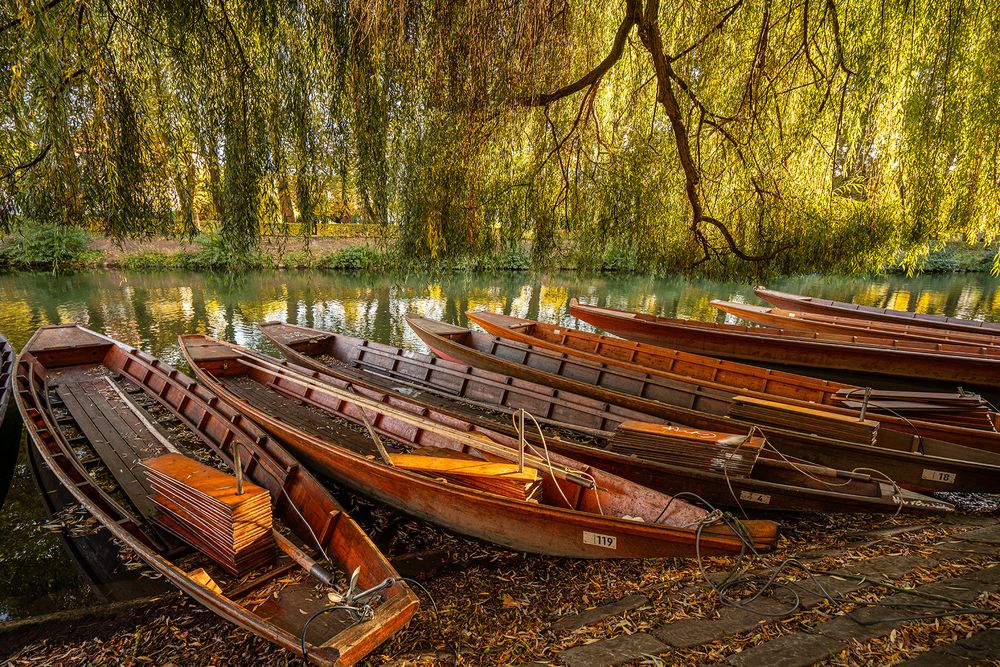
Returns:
<point x="29" y="164"/>
<point x="594" y="75"/>
<point x="717" y="28"/>
<point x="13" y="23"/>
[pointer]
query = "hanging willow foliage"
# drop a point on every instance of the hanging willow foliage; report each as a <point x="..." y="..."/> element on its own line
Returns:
<point x="781" y="134"/>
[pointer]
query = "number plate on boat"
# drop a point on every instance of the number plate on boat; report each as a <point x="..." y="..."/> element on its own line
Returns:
<point x="598" y="540"/>
<point x="938" y="476"/>
<point x="761" y="498"/>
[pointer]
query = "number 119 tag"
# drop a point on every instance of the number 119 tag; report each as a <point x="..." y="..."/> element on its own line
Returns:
<point x="598" y="540"/>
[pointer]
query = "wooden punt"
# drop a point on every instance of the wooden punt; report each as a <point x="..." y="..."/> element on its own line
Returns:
<point x="10" y="420"/>
<point x="97" y="409"/>
<point x="794" y="320"/>
<point x="856" y="311"/>
<point x="957" y="364"/>
<point x="579" y="511"/>
<point x="487" y="399"/>
<point x="964" y="419"/>
<point x="911" y="460"/>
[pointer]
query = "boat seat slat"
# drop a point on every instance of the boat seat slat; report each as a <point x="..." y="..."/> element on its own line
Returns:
<point x="94" y="416"/>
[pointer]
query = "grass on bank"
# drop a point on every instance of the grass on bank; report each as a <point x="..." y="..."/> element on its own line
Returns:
<point x="58" y="247"/>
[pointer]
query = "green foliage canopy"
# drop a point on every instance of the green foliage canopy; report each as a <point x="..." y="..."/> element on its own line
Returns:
<point x="786" y="134"/>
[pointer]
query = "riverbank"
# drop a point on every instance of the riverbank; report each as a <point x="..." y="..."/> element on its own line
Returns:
<point x="364" y="248"/>
<point x="902" y="588"/>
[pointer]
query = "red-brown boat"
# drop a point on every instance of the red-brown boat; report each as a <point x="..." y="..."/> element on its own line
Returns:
<point x="856" y="311"/>
<point x="566" y="509"/>
<point x="99" y="412"/>
<point x="772" y="482"/>
<point x="957" y="364"/>
<point x="913" y="461"/>
<point x="10" y="421"/>
<point x="794" y="320"/>
<point x="711" y="384"/>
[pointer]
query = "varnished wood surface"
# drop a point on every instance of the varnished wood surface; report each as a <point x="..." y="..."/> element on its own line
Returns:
<point x="857" y="311"/>
<point x="547" y="527"/>
<point x="67" y="358"/>
<point x="699" y="376"/>
<point x="900" y="457"/>
<point x="794" y="320"/>
<point x="957" y="364"/>
<point x="448" y="387"/>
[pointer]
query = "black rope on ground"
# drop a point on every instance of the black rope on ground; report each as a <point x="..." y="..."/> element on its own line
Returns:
<point x="358" y="614"/>
<point x="437" y="617"/>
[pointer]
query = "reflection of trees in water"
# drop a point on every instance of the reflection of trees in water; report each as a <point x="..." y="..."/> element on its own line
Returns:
<point x="147" y="308"/>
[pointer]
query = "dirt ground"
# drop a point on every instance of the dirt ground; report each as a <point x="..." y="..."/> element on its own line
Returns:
<point x="114" y="252"/>
<point x="497" y="607"/>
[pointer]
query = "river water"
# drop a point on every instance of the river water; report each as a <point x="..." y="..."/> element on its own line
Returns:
<point x="150" y="310"/>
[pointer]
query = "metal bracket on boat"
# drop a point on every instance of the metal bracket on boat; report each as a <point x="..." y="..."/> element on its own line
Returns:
<point x="864" y="404"/>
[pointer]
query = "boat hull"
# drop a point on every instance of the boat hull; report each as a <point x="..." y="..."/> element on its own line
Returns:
<point x="714" y="383"/>
<point x="10" y="420"/>
<point x="856" y="311"/>
<point x="758" y="346"/>
<point x="949" y="468"/>
<point x="518" y="525"/>
<point x="58" y="350"/>
<point x="455" y="383"/>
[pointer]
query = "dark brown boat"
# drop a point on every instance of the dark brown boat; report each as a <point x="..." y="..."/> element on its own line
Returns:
<point x="391" y="451"/>
<point x="956" y="364"/>
<point x="913" y="461"/>
<point x="485" y="398"/>
<point x="964" y="419"/>
<point x="794" y="320"/>
<point x="99" y="413"/>
<point x="10" y="420"/>
<point x="856" y="311"/>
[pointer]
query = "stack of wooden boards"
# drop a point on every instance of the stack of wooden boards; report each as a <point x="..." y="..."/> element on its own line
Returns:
<point x="808" y="420"/>
<point x="676" y="445"/>
<point x="201" y="505"/>
<point x="964" y="409"/>
<point x="500" y="478"/>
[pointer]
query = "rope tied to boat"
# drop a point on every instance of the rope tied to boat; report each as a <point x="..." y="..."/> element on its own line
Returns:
<point x="360" y="607"/>
<point x="523" y="444"/>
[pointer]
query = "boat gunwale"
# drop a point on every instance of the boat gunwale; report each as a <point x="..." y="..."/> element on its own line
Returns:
<point x="395" y="611"/>
<point x="356" y="375"/>
<point x="860" y="311"/>
<point x="585" y="520"/>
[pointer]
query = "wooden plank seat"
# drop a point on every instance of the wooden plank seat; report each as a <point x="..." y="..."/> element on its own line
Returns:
<point x="500" y="478"/>
<point x="115" y="432"/>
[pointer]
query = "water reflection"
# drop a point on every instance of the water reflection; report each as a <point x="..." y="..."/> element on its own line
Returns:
<point x="150" y="310"/>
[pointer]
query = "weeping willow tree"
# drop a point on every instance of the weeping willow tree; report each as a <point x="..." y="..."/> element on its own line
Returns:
<point x="780" y="136"/>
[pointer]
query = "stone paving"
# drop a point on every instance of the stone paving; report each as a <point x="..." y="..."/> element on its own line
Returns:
<point x="816" y="630"/>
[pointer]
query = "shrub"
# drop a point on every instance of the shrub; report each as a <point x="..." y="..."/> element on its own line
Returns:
<point x="49" y="244"/>
<point x="297" y="258"/>
<point x="214" y="252"/>
<point x="358" y="257"/>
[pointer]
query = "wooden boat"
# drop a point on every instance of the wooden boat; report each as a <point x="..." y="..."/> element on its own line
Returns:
<point x="710" y="384"/>
<point x="793" y="320"/>
<point x="856" y="311"/>
<point x="465" y="393"/>
<point x="564" y="509"/>
<point x="913" y="461"/>
<point x="99" y="413"/>
<point x="10" y="420"/>
<point x="956" y="364"/>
